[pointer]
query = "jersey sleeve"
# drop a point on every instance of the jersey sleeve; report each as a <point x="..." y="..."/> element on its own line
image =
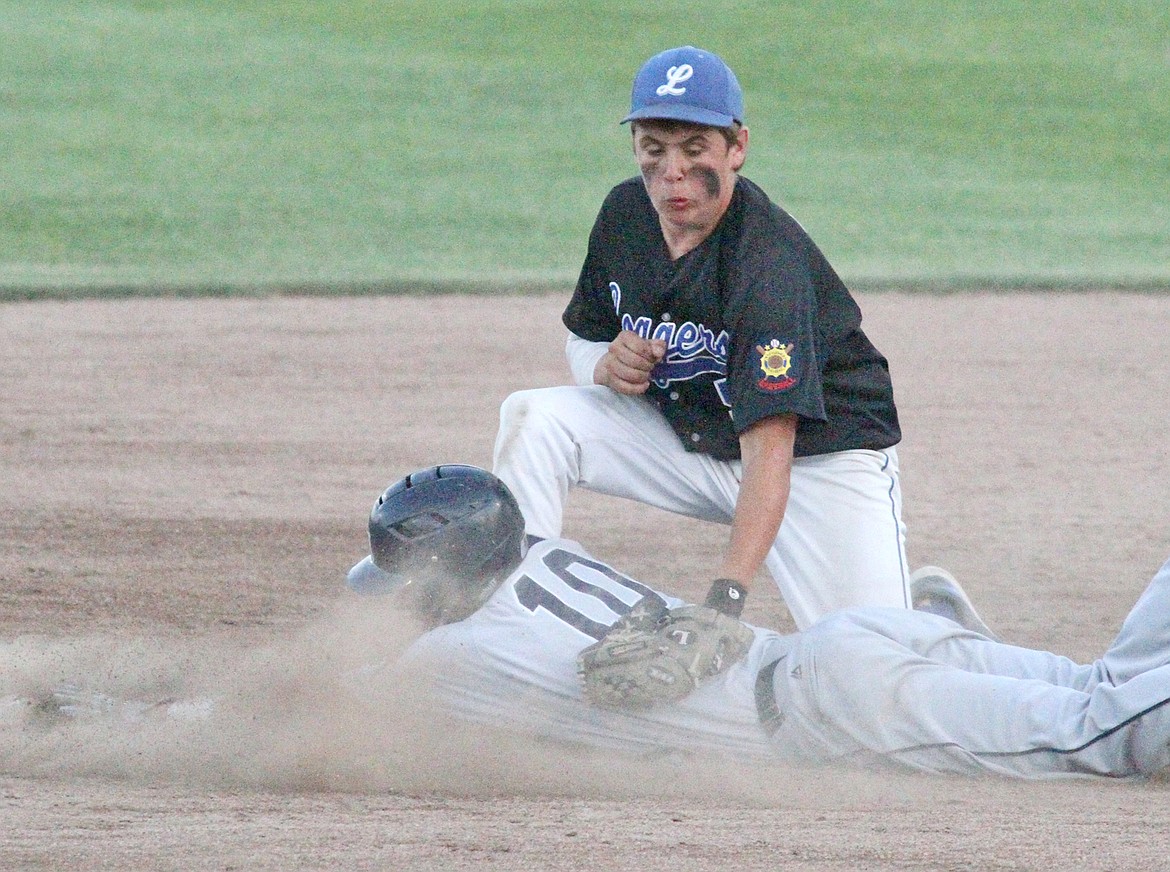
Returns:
<point x="775" y="353"/>
<point x="591" y="313"/>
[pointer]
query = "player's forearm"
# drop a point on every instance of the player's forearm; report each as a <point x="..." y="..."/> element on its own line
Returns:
<point x="758" y="514"/>
<point x="763" y="496"/>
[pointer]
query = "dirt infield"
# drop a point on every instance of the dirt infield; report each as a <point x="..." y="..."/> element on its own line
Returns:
<point x="185" y="483"/>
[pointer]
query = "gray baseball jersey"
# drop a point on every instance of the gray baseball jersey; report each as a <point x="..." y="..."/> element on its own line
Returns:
<point x="869" y="684"/>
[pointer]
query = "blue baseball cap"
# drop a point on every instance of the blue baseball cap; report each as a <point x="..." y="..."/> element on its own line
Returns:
<point x="687" y="84"/>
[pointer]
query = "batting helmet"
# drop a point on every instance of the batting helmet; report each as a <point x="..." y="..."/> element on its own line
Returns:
<point x="444" y="537"/>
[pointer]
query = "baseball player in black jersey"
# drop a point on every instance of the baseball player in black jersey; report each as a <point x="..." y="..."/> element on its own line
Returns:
<point x="721" y="369"/>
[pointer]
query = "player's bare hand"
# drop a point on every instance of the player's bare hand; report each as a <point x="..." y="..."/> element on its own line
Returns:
<point x="627" y="365"/>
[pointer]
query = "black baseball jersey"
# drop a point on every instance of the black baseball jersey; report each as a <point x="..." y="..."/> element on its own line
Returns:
<point x="756" y="323"/>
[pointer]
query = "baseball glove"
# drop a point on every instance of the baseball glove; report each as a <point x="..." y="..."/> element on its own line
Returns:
<point x="656" y="655"/>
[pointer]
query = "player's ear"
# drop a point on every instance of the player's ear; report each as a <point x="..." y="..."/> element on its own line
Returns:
<point x="739" y="149"/>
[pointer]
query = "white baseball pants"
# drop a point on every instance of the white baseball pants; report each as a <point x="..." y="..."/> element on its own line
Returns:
<point x="842" y="541"/>
<point x="926" y="693"/>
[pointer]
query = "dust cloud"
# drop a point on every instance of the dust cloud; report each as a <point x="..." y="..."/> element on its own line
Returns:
<point x="291" y="716"/>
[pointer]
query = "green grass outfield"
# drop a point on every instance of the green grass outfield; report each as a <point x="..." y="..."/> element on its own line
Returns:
<point x="225" y="146"/>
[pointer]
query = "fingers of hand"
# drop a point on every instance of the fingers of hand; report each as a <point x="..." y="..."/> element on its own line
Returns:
<point x="636" y="351"/>
<point x="627" y="380"/>
<point x="630" y="361"/>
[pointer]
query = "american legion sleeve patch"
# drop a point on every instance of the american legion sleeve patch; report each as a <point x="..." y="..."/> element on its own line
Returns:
<point x="775" y="362"/>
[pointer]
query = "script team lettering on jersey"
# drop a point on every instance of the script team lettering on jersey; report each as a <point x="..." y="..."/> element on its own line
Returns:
<point x="692" y="349"/>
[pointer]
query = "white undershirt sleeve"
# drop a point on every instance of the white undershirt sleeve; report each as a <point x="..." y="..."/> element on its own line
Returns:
<point x="583" y="356"/>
